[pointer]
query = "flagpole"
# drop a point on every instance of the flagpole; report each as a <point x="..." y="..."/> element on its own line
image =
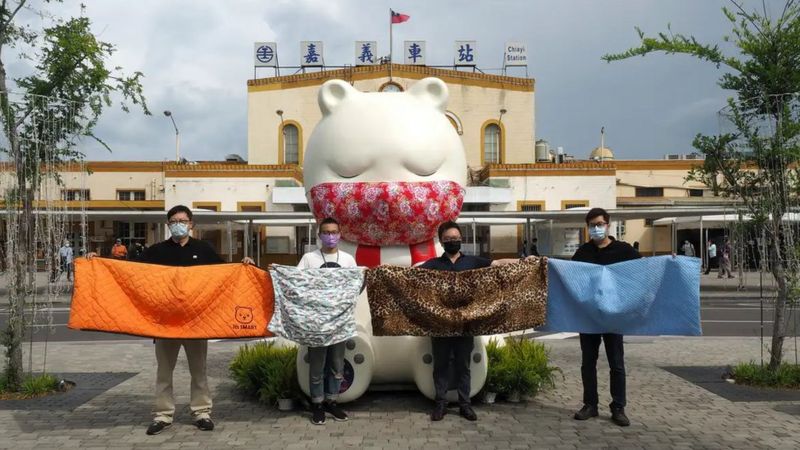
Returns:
<point x="390" y="43"/>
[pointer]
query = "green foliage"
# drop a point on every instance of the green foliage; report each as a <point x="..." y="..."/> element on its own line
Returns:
<point x="37" y="385"/>
<point x="756" y="164"/>
<point x="266" y="372"/>
<point x="494" y="355"/>
<point x="521" y="366"/>
<point x="752" y="373"/>
<point x="3" y="383"/>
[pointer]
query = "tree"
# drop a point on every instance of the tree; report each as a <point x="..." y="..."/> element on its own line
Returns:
<point x="57" y="104"/>
<point x="757" y="160"/>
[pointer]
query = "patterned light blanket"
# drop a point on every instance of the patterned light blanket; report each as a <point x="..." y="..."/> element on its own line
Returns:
<point x="422" y="302"/>
<point x="649" y="296"/>
<point x="315" y="307"/>
<point x="199" y="302"/>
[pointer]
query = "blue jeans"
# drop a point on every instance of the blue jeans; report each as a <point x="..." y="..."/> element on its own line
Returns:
<point x="326" y="370"/>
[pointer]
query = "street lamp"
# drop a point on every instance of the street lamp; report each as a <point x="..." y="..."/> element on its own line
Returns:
<point x="177" y="136"/>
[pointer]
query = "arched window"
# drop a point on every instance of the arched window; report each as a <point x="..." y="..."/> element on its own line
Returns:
<point x="492" y="140"/>
<point x="291" y="144"/>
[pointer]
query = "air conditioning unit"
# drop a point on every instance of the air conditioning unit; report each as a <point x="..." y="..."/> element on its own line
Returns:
<point x="673" y="156"/>
<point x="695" y="156"/>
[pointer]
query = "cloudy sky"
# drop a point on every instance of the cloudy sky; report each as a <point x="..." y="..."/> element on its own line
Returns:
<point x="196" y="56"/>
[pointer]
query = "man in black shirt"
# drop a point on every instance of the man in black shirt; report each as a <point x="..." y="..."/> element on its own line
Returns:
<point x="459" y="346"/>
<point x="181" y="250"/>
<point x="603" y="249"/>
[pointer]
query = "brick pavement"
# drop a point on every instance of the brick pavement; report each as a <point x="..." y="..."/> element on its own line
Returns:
<point x="666" y="410"/>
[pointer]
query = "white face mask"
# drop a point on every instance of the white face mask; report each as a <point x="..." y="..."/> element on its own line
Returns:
<point x="597" y="233"/>
<point x="179" y="230"/>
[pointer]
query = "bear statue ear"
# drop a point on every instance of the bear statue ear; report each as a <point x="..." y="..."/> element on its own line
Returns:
<point x="431" y="90"/>
<point x="332" y="93"/>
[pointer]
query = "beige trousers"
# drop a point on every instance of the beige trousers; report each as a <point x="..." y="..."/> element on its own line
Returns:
<point x="166" y="356"/>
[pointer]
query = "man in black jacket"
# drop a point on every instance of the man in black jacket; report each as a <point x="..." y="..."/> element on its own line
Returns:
<point x="603" y="249"/>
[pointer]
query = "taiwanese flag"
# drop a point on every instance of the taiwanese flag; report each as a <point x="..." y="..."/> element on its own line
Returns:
<point x="399" y="18"/>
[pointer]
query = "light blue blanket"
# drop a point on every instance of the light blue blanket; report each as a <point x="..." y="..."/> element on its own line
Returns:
<point x="648" y="296"/>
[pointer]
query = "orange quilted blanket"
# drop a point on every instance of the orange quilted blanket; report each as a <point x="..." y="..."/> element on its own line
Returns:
<point x="199" y="302"/>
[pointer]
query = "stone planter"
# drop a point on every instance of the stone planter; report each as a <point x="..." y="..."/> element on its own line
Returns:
<point x="514" y="397"/>
<point x="285" y="404"/>
<point x="489" y="397"/>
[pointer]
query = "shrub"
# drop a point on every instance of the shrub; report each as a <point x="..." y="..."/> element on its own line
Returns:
<point x="266" y="372"/>
<point x="523" y="368"/>
<point x="37" y="385"/>
<point x="752" y="373"/>
<point x="494" y="354"/>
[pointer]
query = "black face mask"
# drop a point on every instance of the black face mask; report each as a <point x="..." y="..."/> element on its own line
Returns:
<point x="452" y="247"/>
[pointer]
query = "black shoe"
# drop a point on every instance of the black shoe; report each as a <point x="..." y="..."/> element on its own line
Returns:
<point x="317" y="414"/>
<point x="333" y="409"/>
<point x="157" y="427"/>
<point x="204" y="424"/>
<point x="587" y="412"/>
<point x="618" y="417"/>
<point x="438" y="412"/>
<point x="466" y="412"/>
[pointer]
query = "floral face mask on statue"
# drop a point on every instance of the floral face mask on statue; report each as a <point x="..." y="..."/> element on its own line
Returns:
<point x="396" y="213"/>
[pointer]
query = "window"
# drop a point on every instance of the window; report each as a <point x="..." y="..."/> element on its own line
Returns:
<point x="649" y="192"/>
<point x="531" y="208"/>
<point x="291" y="153"/>
<point x="128" y="196"/>
<point x="569" y="204"/>
<point x="621" y="229"/>
<point x="649" y="222"/>
<point x="130" y="232"/>
<point x="209" y="206"/>
<point x="75" y="195"/>
<point x="695" y="192"/>
<point x="491" y="144"/>
<point x="251" y="206"/>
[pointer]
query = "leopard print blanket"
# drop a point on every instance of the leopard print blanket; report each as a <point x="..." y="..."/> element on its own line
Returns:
<point x="408" y="301"/>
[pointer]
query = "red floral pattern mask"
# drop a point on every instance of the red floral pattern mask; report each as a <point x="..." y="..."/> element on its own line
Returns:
<point x="395" y="213"/>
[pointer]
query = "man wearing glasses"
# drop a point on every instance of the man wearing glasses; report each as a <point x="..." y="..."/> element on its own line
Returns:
<point x="459" y="346"/>
<point x="604" y="250"/>
<point x="326" y="364"/>
<point x="181" y="250"/>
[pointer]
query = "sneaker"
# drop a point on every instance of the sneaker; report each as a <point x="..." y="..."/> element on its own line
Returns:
<point x="618" y="417"/>
<point x="317" y="414"/>
<point x="587" y="412"/>
<point x="333" y="409"/>
<point x="438" y="412"/>
<point x="204" y="424"/>
<point x="157" y="427"/>
<point x="468" y="413"/>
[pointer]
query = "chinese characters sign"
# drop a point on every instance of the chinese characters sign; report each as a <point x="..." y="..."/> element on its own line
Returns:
<point x="464" y="54"/>
<point x="265" y="54"/>
<point x="311" y="54"/>
<point x="414" y="52"/>
<point x="367" y="53"/>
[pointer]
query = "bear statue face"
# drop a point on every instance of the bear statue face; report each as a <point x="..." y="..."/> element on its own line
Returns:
<point x="389" y="167"/>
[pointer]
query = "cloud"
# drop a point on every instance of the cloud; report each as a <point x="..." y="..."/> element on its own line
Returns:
<point x="196" y="56"/>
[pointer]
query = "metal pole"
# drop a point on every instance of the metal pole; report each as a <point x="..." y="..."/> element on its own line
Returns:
<point x="474" y="239"/>
<point x="246" y="238"/>
<point x="229" y="229"/>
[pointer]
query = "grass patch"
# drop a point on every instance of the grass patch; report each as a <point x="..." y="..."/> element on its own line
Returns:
<point x="754" y="374"/>
<point x="32" y="387"/>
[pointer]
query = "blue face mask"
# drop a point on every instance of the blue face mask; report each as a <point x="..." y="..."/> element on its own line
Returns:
<point x="597" y="233"/>
<point x="179" y="230"/>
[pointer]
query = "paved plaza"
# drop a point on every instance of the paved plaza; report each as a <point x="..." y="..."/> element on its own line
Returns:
<point x="667" y="411"/>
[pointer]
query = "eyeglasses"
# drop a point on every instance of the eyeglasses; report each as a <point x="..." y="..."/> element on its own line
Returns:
<point x="182" y="221"/>
<point x="598" y="224"/>
<point x="328" y="233"/>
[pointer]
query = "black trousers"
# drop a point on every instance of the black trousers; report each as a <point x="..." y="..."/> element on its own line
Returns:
<point x="590" y="348"/>
<point x="460" y="348"/>
<point x="712" y="264"/>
